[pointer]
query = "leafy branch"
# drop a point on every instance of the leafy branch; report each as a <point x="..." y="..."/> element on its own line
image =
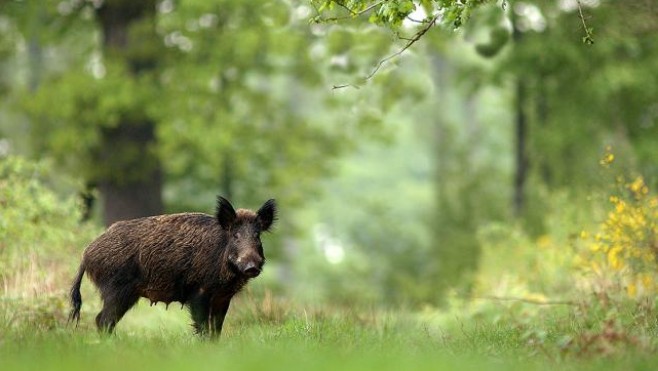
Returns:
<point x="353" y="13"/>
<point x="588" y="38"/>
<point x="410" y="41"/>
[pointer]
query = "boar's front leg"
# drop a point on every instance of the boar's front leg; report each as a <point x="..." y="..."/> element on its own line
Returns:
<point x="200" y="311"/>
<point x="208" y="314"/>
<point x="218" y="312"/>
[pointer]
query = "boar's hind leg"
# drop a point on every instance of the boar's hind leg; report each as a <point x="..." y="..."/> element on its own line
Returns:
<point x="115" y="305"/>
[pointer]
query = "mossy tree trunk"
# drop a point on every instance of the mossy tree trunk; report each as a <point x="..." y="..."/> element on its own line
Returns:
<point x="131" y="184"/>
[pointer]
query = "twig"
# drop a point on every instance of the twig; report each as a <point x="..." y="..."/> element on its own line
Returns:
<point x="413" y="40"/>
<point x="409" y="43"/>
<point x="588" y="39"/>
<point x="528" y="301"/>
<point x="370" y="7"/>
<point x="400" y="37"/>
<point x="345" y="86"/>
<point x="352" y="12"/>
<point x="415" y="20"/>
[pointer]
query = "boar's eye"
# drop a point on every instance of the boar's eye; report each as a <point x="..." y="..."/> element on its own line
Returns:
<point x="236" y="235"/>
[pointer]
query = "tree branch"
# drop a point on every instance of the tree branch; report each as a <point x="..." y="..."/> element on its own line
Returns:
<point x="409" y="43"/>
<point x="528" y="301"/>
<point x="588" y="38"/>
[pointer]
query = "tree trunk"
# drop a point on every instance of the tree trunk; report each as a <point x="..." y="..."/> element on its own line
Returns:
<point x="521" y="163"/>
<point x="133" y="188"/>
<point x="131" y="185"/>
<point x="542" y="121"/>
<point x="457" y="250"/>
<point x="521" y="170"/>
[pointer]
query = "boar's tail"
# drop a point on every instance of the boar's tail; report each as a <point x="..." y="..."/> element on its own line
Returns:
<point x="76" y="298"/>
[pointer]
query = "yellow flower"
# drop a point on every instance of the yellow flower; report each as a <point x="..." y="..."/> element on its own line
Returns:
<point x="631" y="289"/>
<point x="607" y="159"/>
<point x="613" y="258"/>
<point x="638" y="187"/>
<point x="620" y="206"/>
<point x="653" y="202"/>
<point x="647" y="281"/>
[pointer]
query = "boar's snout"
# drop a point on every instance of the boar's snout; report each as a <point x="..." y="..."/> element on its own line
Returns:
<point x="249" y="264"/>
<point x="252" y="269"/>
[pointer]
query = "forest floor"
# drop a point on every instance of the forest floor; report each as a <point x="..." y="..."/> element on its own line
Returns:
<point x="266" y="334"/>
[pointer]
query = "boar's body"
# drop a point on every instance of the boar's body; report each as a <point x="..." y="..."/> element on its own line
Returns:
<point x="196" y="259"/>
<point x="163" y="258"/>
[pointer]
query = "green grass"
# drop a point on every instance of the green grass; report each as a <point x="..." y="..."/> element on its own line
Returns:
<point x="264" y="335"/>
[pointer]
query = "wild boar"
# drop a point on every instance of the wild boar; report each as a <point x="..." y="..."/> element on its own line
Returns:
<point x="196" y="259"/>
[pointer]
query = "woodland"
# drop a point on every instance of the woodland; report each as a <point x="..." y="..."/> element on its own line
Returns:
<point x="460" y="183"/>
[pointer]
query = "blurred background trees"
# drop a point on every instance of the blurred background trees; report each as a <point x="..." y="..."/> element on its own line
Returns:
<point x="388" y="184"/>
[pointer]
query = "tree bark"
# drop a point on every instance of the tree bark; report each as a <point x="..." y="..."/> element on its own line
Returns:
<point x="132" y="185"/>
<point x="542" y="121"/>
<point x="521" y="170"/>
<point x="521" y="124"/>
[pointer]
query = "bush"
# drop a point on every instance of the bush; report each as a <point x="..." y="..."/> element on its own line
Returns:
<point x="41" y="238"/>
<point x="620" y="256"/>
<point x="586" y="286"/>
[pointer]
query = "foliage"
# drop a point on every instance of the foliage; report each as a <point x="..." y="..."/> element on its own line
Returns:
<point x="610" y="77"/>
<point x="572" y="112"/>
<point x="238" y="112"/>
<point x="40" y="242"/>
<point x="393" y="13"/>
<point x="584" y="287"/>
<point x="409" y="176"/>
<point x="621" y="255"/>
<point x="236" y="99"/>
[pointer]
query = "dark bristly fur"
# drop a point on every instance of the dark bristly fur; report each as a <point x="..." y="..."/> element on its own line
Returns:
<point x="196" y="259"/>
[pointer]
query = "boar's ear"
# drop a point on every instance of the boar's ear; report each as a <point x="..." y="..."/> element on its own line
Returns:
<point x="225" y="212"/>
<point x="266" y="215"/>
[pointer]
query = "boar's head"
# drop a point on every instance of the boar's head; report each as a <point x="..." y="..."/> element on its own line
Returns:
<point x="243" y="228"/>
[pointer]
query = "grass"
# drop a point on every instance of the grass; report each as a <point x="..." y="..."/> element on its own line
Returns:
<point x="265" y="334"/>
<point x="316" y="341"/>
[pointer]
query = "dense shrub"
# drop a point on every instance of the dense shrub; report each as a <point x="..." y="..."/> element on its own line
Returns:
<point x="41" y="238"/>
<point x="620" y="255"/>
